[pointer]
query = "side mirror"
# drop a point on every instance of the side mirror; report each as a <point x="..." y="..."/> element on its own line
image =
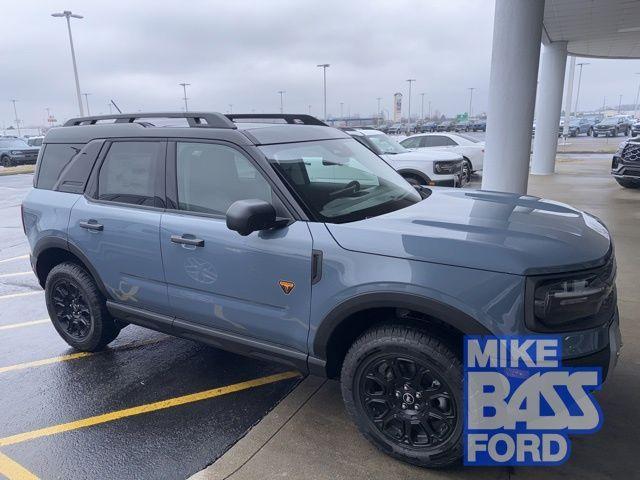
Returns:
<point x="248" y="216"/>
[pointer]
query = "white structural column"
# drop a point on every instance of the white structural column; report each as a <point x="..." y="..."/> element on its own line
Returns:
<point x="514" y="71"/>
<point x="548" y="108"/>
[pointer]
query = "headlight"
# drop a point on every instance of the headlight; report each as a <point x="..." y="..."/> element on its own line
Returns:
<point x="446" y="167"/>
<point x="16" y="152"/>
<point x="621" y="147"/>
<point x="588" y="297"/>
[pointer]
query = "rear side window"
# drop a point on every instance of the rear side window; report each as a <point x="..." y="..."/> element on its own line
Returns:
<point x="130" y="172"/>
<point x="437" y="141"/>
<point x="55" y="157"/>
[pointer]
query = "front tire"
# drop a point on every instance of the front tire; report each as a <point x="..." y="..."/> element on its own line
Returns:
<point x="403" y="389"/>
<point x="77" y="309"/>
<point x="6" y="162"/>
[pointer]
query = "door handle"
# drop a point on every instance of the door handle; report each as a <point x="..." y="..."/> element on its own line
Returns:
<point x="92" y="225"/>
<point x="195" y="242"/>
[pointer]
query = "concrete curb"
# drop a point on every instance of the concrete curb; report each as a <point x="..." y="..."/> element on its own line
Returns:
<point x="260" y="434"/>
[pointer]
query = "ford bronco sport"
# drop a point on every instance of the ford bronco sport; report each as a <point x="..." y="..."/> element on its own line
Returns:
<point x="291" y="241"/>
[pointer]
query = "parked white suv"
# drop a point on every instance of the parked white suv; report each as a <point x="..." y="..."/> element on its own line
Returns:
<point x="433" y="167"/>
<point x="471" y="149"/>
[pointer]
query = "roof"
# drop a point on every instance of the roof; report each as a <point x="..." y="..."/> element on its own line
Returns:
<point x="594" y="28"/>
<point x="261" y="129"/>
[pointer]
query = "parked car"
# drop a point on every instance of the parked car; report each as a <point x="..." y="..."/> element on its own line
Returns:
<point x="471" y="149"/>
<point x="35" y="141"/>
<point x="578" y="126"/>
<point x="15" y="151"/>
<point x="294" y="242"/>
<point x="635" y="128"/>
<point x="479" y="125"/>
<point x="427" y="127"/>
<point x="625" y="166"/>
<point x="612" y="126"/>
<point x="435" y="167"/>
<point x="445" y="126"/>
<point x="462" y="126"/>
<point x="396" y="129"/>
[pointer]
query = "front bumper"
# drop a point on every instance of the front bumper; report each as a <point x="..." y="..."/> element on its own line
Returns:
<point x="622" y="168"/>
<point x="605" y="343"/>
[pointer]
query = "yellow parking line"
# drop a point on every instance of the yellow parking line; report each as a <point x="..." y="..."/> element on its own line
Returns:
<point x="13" y="258"/>
<point x="21" y="294"/>
<point x="13" y="470"/>
<point x="24" y="324"/>
<point x="74" y="356"/>
<point x="17" y="274"/>
<point x="150" y="407"/>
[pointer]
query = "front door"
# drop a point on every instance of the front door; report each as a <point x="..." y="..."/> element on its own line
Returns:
<point x="258" y="286"/>
<point x="117" y="224"/>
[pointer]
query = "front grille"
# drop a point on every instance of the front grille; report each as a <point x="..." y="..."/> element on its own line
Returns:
<point x="631" y="152"/>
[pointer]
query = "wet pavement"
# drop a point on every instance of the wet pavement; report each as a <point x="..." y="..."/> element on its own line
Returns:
<point x="150" y="406"/>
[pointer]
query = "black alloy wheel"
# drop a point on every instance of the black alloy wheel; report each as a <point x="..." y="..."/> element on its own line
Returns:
<point x="407" y="401"/>
<point x="6" y="161"/>
<point x="71" y="308"/>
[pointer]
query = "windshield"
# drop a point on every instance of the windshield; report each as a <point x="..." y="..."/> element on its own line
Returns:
<point x="13" y="143"/>
<point x="386" y="144"/>
<point x="340" y="180"/>
<point x="609" y="121"/>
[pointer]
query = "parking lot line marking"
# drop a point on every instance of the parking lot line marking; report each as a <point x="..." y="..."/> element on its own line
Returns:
<point x="13" y="470"/>
<point x="17" y="274"/>
<point x="21" y="294"/>
<point x="24" y="324"/>
<point x="74" y="356"/>
<point x="13" y="258"/>
<point x="147" y="408"/>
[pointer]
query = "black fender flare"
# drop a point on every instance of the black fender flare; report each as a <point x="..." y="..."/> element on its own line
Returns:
<point x="417" y="173"/>
<point x="434" y="308"/>
<point x="63" y="244"/>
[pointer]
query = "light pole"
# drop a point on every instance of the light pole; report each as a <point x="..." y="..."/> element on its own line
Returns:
<point x="86" y="100"/>
<point x="184" y="90"/>
<point x="619" y="104"/>
<point x="15" y="111"/>
<point x="309" y="109"/>
<point x="231" y="108"/>
<point x="341" y="110"/>
<point x="471" y="89"/>
<point x="281" y="92"/>
<point x="68" y="15"/>
<point x="422" y="106"/>
<point x="635" y="107"/>
<point x="324" y="67"/>
<point x="582" y="64"/>
<point x="410" y="81"/>
<point x="429" y="109"/>
<point x="378" y="112"/>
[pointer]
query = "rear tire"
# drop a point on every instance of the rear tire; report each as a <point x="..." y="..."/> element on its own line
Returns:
<point x="77" y="309"/>
<point x="403" y="389"/>
<point x="628" y="182"/>
<point x="6" y="162"/>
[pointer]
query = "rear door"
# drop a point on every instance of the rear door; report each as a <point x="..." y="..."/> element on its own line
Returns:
<point x="255" y="287"/>
<point x="116" y="224"/>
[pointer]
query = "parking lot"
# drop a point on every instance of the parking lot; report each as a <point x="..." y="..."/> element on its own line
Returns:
<point x="149" y="403"/>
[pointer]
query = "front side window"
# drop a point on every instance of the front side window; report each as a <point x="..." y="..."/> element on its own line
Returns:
<point x="129" y="173"/>
<point x="385" y="144"/>
<point x="412" y="142"/>
<point x="340" y="181"/>
<point x="55" y="157"/>
<point x="210" y="177"/>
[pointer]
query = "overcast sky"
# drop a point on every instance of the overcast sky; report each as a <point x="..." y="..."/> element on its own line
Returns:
<point x="242" y="52"/>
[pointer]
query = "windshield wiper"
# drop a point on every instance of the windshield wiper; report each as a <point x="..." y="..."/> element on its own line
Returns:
<point x="351" y="188"/>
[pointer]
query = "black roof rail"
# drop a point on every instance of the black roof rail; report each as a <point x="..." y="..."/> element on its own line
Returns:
<point x="291" y="118"/>
<point x="194" y="119"/>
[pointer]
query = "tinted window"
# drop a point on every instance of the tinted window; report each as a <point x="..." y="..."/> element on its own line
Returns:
<point x="35" y="142"/>
<point x="211" y="177"/>
<point x="129" y="173"/>
<point x="55" y="157"/>
<point x="411" y="142"/>
<point x="13" y="143"/>
<point x="437" y="141"/>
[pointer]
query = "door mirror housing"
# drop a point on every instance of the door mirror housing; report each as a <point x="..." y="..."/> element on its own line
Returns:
<point x="252" y="215"/>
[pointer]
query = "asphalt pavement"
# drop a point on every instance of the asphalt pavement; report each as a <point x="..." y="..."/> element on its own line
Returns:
<point x="151" y="406"/>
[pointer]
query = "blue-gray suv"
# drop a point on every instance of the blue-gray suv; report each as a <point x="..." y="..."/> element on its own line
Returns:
<point x="281" y="238"/>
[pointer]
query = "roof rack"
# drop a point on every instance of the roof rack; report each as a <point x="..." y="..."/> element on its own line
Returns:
<point x="194" y="119"/>
<point x="291" y="118"/>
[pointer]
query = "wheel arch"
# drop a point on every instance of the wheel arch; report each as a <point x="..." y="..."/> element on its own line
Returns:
<point x="50" y="252"/>
<point x="351" y="318"/>
<point x="414" y="172"/>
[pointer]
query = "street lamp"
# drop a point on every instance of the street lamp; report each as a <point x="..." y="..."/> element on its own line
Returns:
<point x="471" y="89"/>
<point x="15" y="111"/>
<point x="309" y="109"/>
<point x="378" y="112"/>
<point x="620" y="104"/>
<point x="341" y="110"/>
<point x="324" y="67"/>
<point x="86" y="100"/>
<point x="582" y="64"/>
<point x="184" y="90"/>
<point x="429" y="109"/>
<point x="422" y="106"/>
<point x="231" y="108"/>
<point x="68" y="15"/>
<point x="281" y="92"/>
<point x="410" y="81"/>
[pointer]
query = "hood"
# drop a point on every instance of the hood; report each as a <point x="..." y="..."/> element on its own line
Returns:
<point x="430" y="155"/>
<point x="493" y="231"/>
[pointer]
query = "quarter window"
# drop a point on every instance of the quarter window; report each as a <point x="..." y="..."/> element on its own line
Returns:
<point x="211" y="177"/>
<point x="129" y="173"/>
<point x="54" y="158"/>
